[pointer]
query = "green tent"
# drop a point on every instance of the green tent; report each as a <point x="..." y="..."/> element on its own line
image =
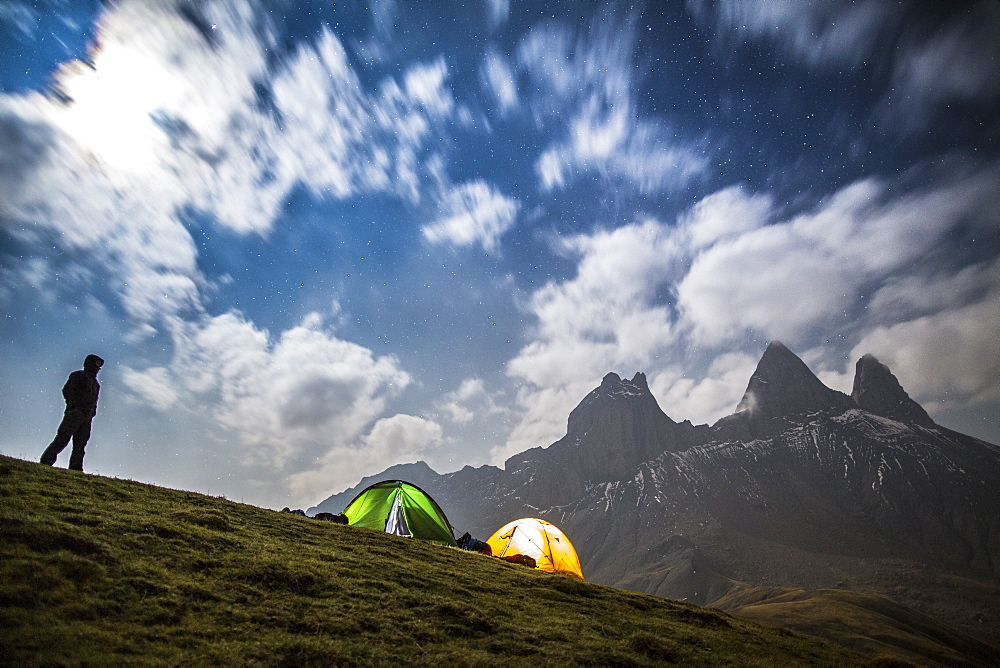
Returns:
<point x="400" y="508"/>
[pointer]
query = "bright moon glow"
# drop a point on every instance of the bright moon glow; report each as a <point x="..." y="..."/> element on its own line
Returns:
<point x="111" y="105"/>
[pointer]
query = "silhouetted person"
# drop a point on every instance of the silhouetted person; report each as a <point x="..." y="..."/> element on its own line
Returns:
<point x="80" y="392"/>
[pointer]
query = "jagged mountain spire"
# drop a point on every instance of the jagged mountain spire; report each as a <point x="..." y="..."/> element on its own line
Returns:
<point x="612" y="389"/>
<point x="783" y="385"/>
<point x="877" y="390"/>
<point x="616" y="427"/>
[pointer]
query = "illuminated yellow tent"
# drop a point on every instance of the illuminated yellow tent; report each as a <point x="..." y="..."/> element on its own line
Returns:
<point x="540" y="540"/>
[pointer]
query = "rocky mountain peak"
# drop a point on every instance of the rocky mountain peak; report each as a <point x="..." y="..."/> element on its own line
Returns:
<point x="782" y="386"/>
<point x="639" y="381"/>
<point x="877" y="390"/>
<point x="617" y="426"/>
<point x="613" y="384"/>
<point x="611" y="381"/>
<point x="608" y="397"/>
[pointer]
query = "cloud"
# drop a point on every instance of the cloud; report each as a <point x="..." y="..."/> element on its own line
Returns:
<point x="543" y="412"/>
<point x="21" y="16"/>
<point x="499" y="12"/>
<point x="705" y="398"/>
<point x="325" y="115"/>
<point x="725" y="214"/>
<point x="112" y="183"/>
<point x="748" y="283"/>
<point x="498" y="78"/>
<point x="472" y="213"/>
<point x="609" y="316"/>
<point x="955" y="62"/>
<point x="545" y="54"/>
<point x="165" y="121"/>
<point x="934" y="59"/>
<point x="399" y="439"/>
<point x="948" y="358"/>
<point x="384" y="16"/>
<point x="27" y="140"/>
<point x="293" y="415"/>
<point x="823" y="261"/>
<point x="152" y="386"/>
<point x="820" y="33"/>
<point x="469" y="401"/>
<point x="34" y="273"/>
<point x="454" y="404"/>
<point x="912" y="296"/>
<point x="337" y="140"/>
<point x="288" y="398"/>
<point x="619" y="148"/>
<point x="587" y="78"/>
<point x="946" y="352"/>
<point x="424" y="84"/>
<point x="133" y="244"/>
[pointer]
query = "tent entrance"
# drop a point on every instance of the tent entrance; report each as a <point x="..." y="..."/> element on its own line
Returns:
<point x="396" y="522"/>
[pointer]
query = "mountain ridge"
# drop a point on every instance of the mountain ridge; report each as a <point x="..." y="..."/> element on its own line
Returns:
<point x="803" y="487"/>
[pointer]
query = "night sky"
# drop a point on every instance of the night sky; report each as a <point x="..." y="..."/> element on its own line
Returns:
<point x="316" y="239"/>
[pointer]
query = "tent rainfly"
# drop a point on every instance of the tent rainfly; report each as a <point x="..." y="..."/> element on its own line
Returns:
<point x="403" y="509"/>
<point x="541" y="540"/>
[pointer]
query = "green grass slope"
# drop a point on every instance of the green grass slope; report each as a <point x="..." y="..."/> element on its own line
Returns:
<point x="109" y="572"/>
<point x="865" y="622"/>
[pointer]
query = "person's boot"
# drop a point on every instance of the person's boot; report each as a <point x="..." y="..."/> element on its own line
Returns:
<point x="76" y="461"/>
<point x="49" y="456"/>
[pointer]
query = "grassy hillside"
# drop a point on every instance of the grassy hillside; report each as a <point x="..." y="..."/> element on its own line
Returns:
<point x="865" y="622"/>
<point x="103" y="571"/>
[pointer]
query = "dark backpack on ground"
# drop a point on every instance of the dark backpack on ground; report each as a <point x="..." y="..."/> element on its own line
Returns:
<point x="467" y="542"/>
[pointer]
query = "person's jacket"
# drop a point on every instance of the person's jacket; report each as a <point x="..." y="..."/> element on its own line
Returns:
<point x="80" y="392"/>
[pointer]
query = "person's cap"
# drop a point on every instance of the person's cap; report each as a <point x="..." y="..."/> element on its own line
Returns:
<point x="93" y="360"/>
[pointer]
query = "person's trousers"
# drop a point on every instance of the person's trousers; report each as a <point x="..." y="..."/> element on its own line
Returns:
<point x="75" y="425"/>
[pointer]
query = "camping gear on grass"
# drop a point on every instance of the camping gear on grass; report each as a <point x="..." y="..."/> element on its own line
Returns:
<point x="467" y="542"/>
<point x="401" y="508"/>
<point x="522" y="559"/>
<point x="541" y="540"/>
